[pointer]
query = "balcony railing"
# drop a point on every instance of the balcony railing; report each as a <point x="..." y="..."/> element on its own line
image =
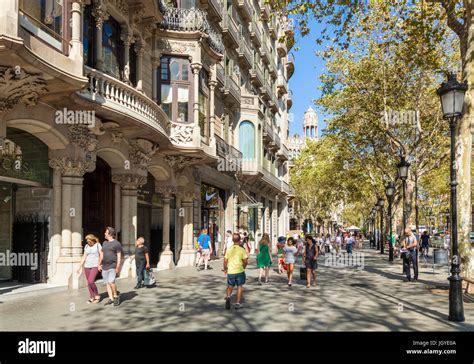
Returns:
<point x="231" y="30"/>
<point x="290" y="65"/>
<point x="289" y="99"/>
<point x="255" y="34"/>
<point x="271" y="179"/>
<point x="216" y="8"/>
<point x="245" y="54"/>
<point x="264" y="10"/>
<point x="245" y="9"/>
<point x="189" y="20"/>
<point x="250" y="166"/>
<point x="265" y="53"/>
<point x="231" y="87"/>
<point x="285" y="187"/>
<point x="220" y="74"/>
<point x="117" y="96"/>
<point x="256" y="73"/>
<point x="232" y="155"/>
<point x="283" y="153"/>
<point x="273" y="66"/>
<point x="282" y="84"/>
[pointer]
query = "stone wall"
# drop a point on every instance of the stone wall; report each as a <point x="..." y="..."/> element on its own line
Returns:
<point x="5" y="223"/>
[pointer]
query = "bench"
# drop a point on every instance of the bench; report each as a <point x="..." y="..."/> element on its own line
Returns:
<point x="469" y="281"/>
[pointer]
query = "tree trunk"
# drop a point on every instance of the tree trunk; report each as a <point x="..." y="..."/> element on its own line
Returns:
<point x="463" y="157"/>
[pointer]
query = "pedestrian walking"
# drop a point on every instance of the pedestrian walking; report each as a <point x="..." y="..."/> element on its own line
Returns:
<point x="290" y="251"/>
<point x="338" y="242"/>
<point x="310" y="262"/>
<point x="228" y="241"/>
<point x="281" y="253"/>
<point x="109" y="264"/>
<point x="425" y="245"/>
<point x="90" y="262"/>
<point x="245" y="243"/>
<point x="410" y="254"/>
<point x="264" y="258"/>
<point x="235" y="262"/>
<point x="204" y="241"/>
<point x="349" y="243"/>
<point x="142" y="261"/>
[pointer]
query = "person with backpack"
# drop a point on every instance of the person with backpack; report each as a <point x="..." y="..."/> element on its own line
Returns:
<point x="90" y="262"/>
<point x="204" y="241"/>
<point x="235" y="262"/>
<point x="264" y="257"/>
<point x="310" y="256"/>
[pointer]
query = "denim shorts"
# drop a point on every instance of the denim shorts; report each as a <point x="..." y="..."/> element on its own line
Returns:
<point x="236" y="279"/>
<point x="109" y="275"/>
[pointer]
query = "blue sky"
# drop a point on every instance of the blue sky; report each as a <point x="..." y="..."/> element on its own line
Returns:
<point x="305" y="80"/>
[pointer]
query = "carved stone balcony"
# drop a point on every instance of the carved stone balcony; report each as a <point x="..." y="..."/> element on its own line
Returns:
<point x="245" y="9"/>
<point x="220" y="74"/>
<point x="289" y="99"/>
<point x="215" y="8"/>
<point x="231" y="90"/>
<point x="255" y="34"/>
<point x="282" y="85"/>
<point x="265" y="53"/>
<point x="251" y="167"/>
<point x="264" y="10"/>
<point x="245" y="55"/>
<point x="189" y="20"/>
<point x="271" y="179"/>
<point x="266" y="91"/>
<point x="230" y="157"/>
<point x="121" y="99"/>
<point x="285" y="188"/>
<point x="283" y="154"/>
<point x="290" y="65"/>
<point x="230" y="31"/>
<point x="256" y="74"/>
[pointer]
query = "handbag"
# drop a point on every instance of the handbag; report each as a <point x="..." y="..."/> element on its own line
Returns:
<point x="303" y="273"/>
<point x="149" y="278"/>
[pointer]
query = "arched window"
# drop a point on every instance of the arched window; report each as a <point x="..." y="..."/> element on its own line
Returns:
<point x="247" y="139"/>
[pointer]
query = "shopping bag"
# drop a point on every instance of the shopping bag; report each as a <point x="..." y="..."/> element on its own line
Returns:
<point x="149" y="278"/>
<point x="283" y="264"/>
<point x="303" y="273"/>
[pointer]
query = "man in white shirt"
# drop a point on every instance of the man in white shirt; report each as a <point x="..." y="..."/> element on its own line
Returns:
<point x="228" y="241"/>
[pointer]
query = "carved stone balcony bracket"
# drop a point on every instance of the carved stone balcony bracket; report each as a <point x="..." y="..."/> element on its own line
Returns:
<point x="129" y="181"/>
<point x="72" y="167"/>
<point x="179" y="162"/>
<point x="141" y="152"/>
<point x="18" y="86"/>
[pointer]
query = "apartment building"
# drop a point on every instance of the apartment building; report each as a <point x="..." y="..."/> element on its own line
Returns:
<point x="157" y="118"/>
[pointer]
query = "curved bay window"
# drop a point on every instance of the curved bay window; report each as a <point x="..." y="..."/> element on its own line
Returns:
<point x="112" y="47"/>
<point x="175" y="89"/>
<point x="204" y="103"/>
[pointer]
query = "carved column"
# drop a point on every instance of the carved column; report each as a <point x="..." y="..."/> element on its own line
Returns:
<point x="166" y="257"/>
<point x="155" y="70"/>
<point x="140" y="53"/>
<point x="76" y="26"/>
<point x="196" y="68"/>
<point x="236" y="215"/>
<point x="186" y="257"/>
<point x="129" y="184"/>
<point x="100" y="14"/>
<point x="212" y="115"/>
<point x="127" y="39"/>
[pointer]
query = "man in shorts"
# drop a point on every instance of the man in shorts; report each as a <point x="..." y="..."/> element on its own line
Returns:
<point x="235" y="262"/>
<point x="109" y="264"/>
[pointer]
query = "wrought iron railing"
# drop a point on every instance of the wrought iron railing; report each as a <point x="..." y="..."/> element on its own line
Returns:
<point x="220" y="73"/>
<point x="255" y="32"/>
<point x="245" y="50"/>
<point x="229" y="153"/>
<point x="192" y="20"/>
<point x="232" y="86"/>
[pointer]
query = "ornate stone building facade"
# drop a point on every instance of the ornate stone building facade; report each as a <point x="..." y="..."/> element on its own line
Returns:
<point x="155" y="118"/>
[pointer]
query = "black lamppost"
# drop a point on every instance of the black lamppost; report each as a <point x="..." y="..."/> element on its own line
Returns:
<point x="403" y="175"/>
<point x="380" y="202"/>
<point x="447" y="213"/>
<point x="452" y="94"/>
<point x="389" y="192"/>
<point x="377" y="208"/>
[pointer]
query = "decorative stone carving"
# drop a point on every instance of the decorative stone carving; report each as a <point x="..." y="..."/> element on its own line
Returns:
<point x="99" y="12"/>
<point x="141" y="151"/>
<point x="129" y="181"/>
<point x="196" y="67"/>
<point x="18" y="86"/>
<point x="116" y="137"/>
<point x="188" y="196"/>
<point x="181" y="134"/>
<point x="81" y="136"/>
<point x="72" y="167"/>
<point x="120" y="5"/>
<point x="167" y="191"/>
<point x="175" y="47"/>
<point x="137" y="12"/>
<point x="179" y="162"/>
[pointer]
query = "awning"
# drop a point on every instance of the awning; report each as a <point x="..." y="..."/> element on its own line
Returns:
<point x="248" y="201"/>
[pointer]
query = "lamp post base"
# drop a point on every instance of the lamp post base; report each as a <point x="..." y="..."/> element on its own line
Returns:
<point x="456" y="310"/>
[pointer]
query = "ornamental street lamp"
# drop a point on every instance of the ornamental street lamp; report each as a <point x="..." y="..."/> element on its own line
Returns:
<point x="452" y="94"/>
<point x="377" y="208"/>
<point x="446" y="214"/>
<point x="403" y="167"/>
<point x="380" y="202"/>
<point x="389" y="192"/>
